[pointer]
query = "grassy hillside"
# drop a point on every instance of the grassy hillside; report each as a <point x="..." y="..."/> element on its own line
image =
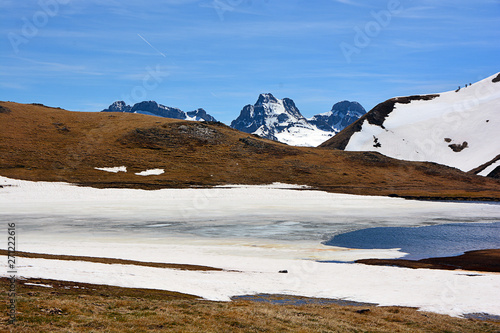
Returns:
<point x="50" y="144"/>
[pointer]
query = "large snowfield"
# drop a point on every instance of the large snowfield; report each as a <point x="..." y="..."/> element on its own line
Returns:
<point x="252" y="232"/>
<point x="423" y="130"/>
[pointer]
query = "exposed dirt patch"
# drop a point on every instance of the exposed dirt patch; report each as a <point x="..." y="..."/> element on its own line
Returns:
<point x="496" y="79"/>
<point x="458" y="147"/>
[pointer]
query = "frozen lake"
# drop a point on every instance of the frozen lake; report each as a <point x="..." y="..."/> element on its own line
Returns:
<point x="251" y="231"/>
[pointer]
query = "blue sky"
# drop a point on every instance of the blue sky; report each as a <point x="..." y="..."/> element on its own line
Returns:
<point x="220" y="54"/>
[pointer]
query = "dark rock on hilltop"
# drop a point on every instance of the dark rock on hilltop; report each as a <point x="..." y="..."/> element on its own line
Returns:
<point x="4" y="109"/>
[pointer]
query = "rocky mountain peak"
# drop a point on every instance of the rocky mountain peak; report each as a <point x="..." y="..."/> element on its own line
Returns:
<point x="341" y="115"/>
<point x="200" y="114"/>
<point x="347" y="107"/>
<point x="266" y="98"/>
<point x="119" y="106"/>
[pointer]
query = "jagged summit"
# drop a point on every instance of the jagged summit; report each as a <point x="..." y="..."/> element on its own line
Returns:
<point x="281" y="120"/>
<point x="119" y="106"/>
<point x="200" y="114"/>
<point x="266" y="98"/>
<point x="154" y="109"/>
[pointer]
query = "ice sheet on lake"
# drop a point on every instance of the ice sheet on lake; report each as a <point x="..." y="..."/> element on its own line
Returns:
<point x="258" y="230"/>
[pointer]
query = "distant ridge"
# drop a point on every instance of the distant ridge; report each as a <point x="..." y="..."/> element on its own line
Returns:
<point x="154" y="109"/>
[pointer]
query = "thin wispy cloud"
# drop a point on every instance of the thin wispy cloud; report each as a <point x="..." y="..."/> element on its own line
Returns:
<point x="350" y="3"/>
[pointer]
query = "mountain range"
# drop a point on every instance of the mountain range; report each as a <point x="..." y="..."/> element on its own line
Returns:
<point x="281" y="120"/>
<point x="269" y="117"/>
<point x="457" y="128"/>
<point x="152" y="108"/>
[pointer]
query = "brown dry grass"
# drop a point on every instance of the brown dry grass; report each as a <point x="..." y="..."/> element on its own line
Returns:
<point x="184" y="267"/>
<point x="94" y="308"/>
<point x="41" y="143"/>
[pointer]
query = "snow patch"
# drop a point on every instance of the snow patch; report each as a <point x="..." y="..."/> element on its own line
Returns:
<point x="39" y="285"/>
<point x="113" y="169"/>
<point x="151" y="172"/>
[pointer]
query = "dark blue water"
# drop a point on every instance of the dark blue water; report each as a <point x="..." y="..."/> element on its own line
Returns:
<point x="424" y="242"/>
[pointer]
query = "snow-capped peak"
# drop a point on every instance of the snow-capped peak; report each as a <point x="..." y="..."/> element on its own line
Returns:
<point x="266" y="98"/>
<point x="281" y="120"/>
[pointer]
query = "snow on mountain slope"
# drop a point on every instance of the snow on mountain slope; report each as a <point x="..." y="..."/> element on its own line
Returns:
<point x="306" y="136"/>
<point x="279" y="120"/>
<point x="456" y="128"/>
